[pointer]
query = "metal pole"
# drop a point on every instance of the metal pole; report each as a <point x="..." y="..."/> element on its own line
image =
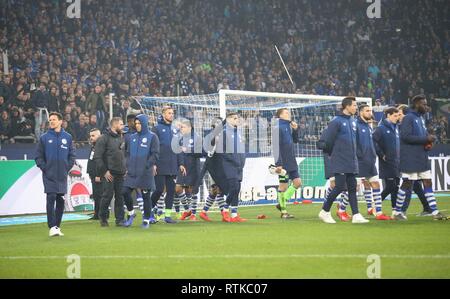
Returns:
<point x="111" y="106"/>
<point x="285" y="68"/>
<point x="5" y="62"/>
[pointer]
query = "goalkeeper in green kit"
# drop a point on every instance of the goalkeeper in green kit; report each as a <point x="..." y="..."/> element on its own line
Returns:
<point x="285" y="134"/>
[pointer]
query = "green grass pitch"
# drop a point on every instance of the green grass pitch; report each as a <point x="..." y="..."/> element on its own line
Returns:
<point x="303" y="247"/>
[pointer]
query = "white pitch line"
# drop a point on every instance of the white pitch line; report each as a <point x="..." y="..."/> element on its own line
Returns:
<point x="234" y="256"/>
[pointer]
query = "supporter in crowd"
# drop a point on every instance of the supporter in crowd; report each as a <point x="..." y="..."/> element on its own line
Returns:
<point x="170" y="48"/>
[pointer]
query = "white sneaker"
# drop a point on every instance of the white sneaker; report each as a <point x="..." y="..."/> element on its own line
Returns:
<point x="59" y="232"/>
<point x="358" y="218"/>
<point x="53" y="232"/>
<point x="326" y="217"/>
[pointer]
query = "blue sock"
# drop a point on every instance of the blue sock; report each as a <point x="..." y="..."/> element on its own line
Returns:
<point x="377" y="200"/>
<point x="140" y="201"/>
<point x="209" y="202"/>
<point x="400" y="200"/>
<point x="328" y="192"/>
<point x="177" y="200"/>
<point x="221" y="202"/>
<point x="160" y="205"/>
<point x="368" y="198"/>
<point x="407" y="201"/>
<point x="187" y="201"/>
<point x="344" y="201"/>
<point x="234" y="211"/>
<point x="429" y="195"/>
<point x="194" y="204"/>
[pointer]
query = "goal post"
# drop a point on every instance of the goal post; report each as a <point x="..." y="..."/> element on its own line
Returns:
<point x="257" y="111"/>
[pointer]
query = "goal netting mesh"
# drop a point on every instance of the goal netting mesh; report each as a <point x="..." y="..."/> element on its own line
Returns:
<point x="257" y="111"/>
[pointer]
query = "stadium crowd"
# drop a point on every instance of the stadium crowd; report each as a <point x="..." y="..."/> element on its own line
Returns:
<point x="176" y="48"/>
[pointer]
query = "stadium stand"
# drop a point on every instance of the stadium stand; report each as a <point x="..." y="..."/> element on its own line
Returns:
<point x="175" y="48"/>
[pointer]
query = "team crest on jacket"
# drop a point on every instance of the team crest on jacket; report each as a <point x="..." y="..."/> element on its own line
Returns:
<point x="64" y="141"/>
<point x="191" y="141"/>
<point x="144" y="140"/>
<point x="174" y="131"/>
<point x="50" y="141"/>
<point x="363" y="130"/>
<point x="388" y="131"/>
<point x="134" y="140"/>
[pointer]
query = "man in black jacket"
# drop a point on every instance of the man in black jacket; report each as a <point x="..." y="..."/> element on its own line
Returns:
<point x="109" y="161"/>
<point x="97" y="189"/>
<point x="53" y="100"/>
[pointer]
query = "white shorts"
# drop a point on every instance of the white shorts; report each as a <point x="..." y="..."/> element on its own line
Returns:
<point x="371" y="179"/>
<point x="414" y="176"/>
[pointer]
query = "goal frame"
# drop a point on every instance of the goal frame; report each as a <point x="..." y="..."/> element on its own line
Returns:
<point x="224" y="92"/>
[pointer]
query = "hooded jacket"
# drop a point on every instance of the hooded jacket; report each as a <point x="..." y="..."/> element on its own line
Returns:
<point x="413" y="137"/>
<point x="287" y="137"/>
<point x="386" y="140"/>
<point x="231" y="153"/>
<point x="365" y="152"/>
<point x="169" y="162"/>
<point x="142" y="152"/>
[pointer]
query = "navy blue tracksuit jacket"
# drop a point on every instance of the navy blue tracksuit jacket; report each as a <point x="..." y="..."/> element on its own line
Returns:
<point x="232" y="153"/>
<point x="365" y="150"/>
<point x="340" y="141"/>
<point x="326" y="155"/>
<point x="142" y="152"/>
<point x="386" y="140"/>
<point x="287" y="137"/>
<point x="413" y="137"/>
<point x="191" y="158"/>
<point x="169" y="162"/>
<point x="55" y="156"/>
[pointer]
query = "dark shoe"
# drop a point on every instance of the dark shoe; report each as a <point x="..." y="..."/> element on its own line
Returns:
<point x="440" y="216"/>
<point x="104" y="223"/>
<point x="424" y="214"/>
<point x="278" y="207"/>
<point x="94" y="218"/>
<point x="130" y="220"/>
<point x="286" y="216"/>
<point x="169" y="220"/>
<point x="400" y="217"/>
<point x="121" y="223"/>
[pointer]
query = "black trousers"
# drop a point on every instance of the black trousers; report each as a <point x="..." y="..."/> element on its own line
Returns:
<point x="344" y="181"/>
<point x="391" y="187"/>
<point x="97" y="191"/>
<point x="234" y="188"/>
<point x="55" y="209"/>
<point x="127" y="199"/>
<point x="111" y="189"/>
<point x="167" y="181"/>
<point x="145" y="197"/>
<point x="418" y="189"/>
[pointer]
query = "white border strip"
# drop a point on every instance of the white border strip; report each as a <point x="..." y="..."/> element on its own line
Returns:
<point x="234" y="256"/>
